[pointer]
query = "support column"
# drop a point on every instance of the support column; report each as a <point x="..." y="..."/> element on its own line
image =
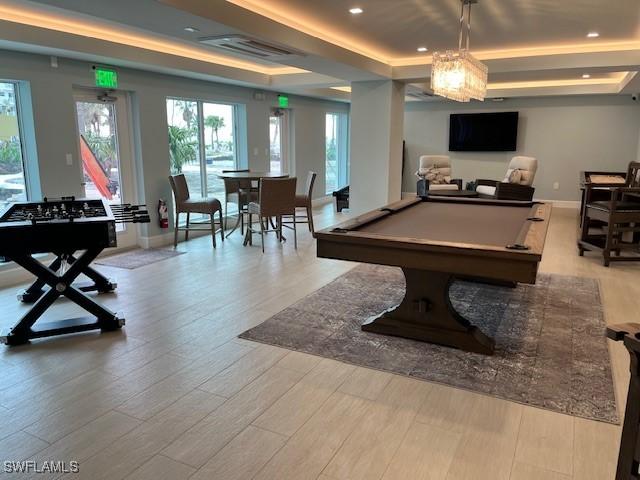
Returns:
<point x="377" y="129"/>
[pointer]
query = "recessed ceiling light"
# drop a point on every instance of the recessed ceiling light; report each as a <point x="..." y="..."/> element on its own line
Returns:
<point x="593" y="34"/>
<point x="355" y="10"/>
<point x="422" y="49"/>
<point x="586" y="75"/>
<point x="191" y="29"/>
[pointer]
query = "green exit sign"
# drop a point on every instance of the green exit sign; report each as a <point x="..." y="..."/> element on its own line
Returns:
<point x="283" y="101"/>
<point x="106" y="78"/>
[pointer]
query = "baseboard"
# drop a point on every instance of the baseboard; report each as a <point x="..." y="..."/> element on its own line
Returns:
<point x="156" y="241"/>
<point x="318" y="202"/>
<point x="574" y="204"/>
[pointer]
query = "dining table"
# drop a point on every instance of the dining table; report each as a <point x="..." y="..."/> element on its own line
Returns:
<point x="252" y="176"/>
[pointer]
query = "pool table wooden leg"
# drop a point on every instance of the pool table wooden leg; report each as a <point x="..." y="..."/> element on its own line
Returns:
<point x="426" y="314"/>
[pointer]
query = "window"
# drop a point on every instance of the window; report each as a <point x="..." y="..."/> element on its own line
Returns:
<point x="202" y="143"/>
<point x="13" y="185"/>
<point x="336" y="151"/>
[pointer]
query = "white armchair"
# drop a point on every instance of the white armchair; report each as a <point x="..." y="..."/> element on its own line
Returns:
<point x="434" y="172"/>
<point x="517" y="183"/>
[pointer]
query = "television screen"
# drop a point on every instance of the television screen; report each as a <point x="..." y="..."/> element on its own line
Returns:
<point x="483" y="132"/>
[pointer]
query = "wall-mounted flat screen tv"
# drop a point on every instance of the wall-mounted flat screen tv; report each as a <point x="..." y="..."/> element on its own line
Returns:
<point x="483" y="132"/>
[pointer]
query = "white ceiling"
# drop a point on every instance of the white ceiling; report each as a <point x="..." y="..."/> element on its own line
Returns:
<point x="525" y="42"/>
<point x="397" y="27"/>
<point x="146" y="15"/>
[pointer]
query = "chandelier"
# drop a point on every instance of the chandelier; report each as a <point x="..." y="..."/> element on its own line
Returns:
<point x="459" y="75"/>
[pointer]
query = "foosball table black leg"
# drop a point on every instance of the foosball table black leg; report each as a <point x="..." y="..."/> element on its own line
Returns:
<point x="36" y="290"/>
<point x="102" y="318"/>
<point x="21" y="332"/>
<point x="629" y="454"/>
<point x="101" y="284"/>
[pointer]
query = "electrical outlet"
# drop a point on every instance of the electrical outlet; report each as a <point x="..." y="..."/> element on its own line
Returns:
<point x="556" y="186"/>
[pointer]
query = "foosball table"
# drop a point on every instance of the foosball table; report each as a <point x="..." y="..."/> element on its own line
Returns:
<point x="63" y="227"/>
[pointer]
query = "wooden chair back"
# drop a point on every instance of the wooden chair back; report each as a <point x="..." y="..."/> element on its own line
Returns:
<point x="180" y="189"/>
<point x="633" y="175"/>
<point x="311" y="180"/>
<point x="232" y="185"/>
<point x="277" y="196"/>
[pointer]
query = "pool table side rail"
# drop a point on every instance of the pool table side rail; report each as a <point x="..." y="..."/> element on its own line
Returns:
<point x="533" y="234"/>
<point x="476" y="260"/>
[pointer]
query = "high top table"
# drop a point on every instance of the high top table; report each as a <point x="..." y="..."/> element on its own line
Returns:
<point x="250" y="176"/>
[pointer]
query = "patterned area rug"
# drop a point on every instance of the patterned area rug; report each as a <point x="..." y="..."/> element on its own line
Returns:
<point x="138" y="258"/>
<point x="550" y="346"/>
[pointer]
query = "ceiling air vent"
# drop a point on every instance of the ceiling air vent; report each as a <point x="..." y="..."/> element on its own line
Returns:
<point x="248" y="46"/>
<point x="420" y="95"/>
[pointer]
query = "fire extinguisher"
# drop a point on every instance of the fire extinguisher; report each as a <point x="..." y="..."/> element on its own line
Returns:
<point x="163" y="214"/>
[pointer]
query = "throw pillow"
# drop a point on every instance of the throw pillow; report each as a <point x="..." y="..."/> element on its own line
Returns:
<point x="435" y="176"/>
<point x="513" y="176"/>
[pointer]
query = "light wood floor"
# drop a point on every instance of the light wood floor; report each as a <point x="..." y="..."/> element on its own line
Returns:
<point x="176" y="395"/>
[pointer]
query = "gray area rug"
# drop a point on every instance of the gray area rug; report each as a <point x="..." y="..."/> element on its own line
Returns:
<point x="138" y="258"/>
<point x="551" y="351"/>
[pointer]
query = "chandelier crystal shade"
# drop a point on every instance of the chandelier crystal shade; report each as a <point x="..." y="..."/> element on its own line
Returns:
<point x="459" y="75"/>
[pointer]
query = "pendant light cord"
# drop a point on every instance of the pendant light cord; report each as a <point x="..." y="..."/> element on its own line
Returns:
<point x="461" y="36"/>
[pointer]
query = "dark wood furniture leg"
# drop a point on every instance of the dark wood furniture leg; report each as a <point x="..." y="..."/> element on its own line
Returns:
<point x="312" y="228"/>
<point x="426" y="314"/>
<point x="629" y="453"/>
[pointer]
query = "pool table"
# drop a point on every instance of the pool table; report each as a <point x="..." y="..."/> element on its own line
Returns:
<point x="435" y="240"/>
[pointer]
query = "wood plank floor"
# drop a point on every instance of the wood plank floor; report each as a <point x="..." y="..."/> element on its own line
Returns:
<point x="176" y="395"/>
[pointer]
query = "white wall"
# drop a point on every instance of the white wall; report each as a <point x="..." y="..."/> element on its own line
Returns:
<point x="565" y="134"/>
<point x="56" y="133"/>
<point x="377" y="109"/>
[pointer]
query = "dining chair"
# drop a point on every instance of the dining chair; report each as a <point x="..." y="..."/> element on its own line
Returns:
<point x="185" y="204"/>
<point x="276" y="199"/>
<point x="304" y="201"/>
<point x="239" y="192"/>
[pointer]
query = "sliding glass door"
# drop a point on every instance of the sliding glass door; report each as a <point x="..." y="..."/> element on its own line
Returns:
<point x="219" y="145"/>
<point x="106" y="153"/>
<point x="202" y="143"/>
<point x="184" y="142"/>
